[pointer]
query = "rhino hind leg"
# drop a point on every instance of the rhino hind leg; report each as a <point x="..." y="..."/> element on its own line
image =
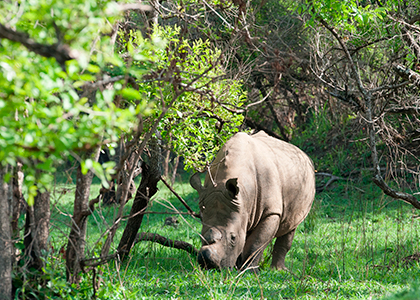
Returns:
<point x="257" y="241"/>
<point x="281" y="247"/>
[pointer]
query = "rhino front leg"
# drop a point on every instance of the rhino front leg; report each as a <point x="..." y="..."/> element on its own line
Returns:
<point x="281" y="247"/>
<point x="257" y="241"/>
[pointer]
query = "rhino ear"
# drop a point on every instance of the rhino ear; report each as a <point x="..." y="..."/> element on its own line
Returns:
<point x="232" y="187"/>
<point x="195" y="182"/>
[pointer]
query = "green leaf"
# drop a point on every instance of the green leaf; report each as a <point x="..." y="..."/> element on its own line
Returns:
<point x="131" y="94"/>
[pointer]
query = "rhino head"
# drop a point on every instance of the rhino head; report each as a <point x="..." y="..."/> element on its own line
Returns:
<point x="223" y="235"/>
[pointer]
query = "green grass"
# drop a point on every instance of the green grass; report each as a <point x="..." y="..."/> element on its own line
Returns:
<point x="351" y="246"/>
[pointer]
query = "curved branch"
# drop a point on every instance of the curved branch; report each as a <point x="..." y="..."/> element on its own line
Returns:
<point x="154" y="237"/>
<point x="408" y="198"/>
<point x="142" y="236"/>
<point x="348" y="55"/>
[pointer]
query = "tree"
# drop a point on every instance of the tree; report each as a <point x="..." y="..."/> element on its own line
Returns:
<point x="5" y="238"/>
<point x="367" y="57"/>
<point x="73" y="81"/>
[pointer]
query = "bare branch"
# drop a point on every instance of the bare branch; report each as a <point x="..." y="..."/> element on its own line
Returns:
<point x="96" y="261"/>
<point x="407" y="74"/>
<point x="389" y="87"/>
<point x="89" y="87"/>
<point x="142" y="236"/>
<point x="217" y="14"/>
<point x="408" y="24"/>
<point x="408" y="198"/>
<point x="133" y="6"/>
<point x="331" y="180"/>
<point x="154" y="237"/>
<point x="411" y="110"/>
<point x="180" y="199"/>
<point x="251" y="123"/>
<point x="367" y="95"/>
<point x="348" y="55"/>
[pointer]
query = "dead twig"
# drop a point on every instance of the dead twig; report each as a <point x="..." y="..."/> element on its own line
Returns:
<point x="191" y="212"/>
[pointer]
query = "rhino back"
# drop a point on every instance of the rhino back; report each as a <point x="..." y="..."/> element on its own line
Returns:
<point x="274" y="177"/>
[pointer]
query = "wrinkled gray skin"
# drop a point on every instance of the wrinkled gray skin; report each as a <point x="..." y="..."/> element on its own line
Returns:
<point x="260" y="188"/>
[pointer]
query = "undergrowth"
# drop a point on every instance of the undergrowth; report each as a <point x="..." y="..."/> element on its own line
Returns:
<point x="356" y="242"/>
<point x="353" y="245"/>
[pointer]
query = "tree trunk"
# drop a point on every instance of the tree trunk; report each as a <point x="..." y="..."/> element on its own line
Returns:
<point x="166" y="163"/>
<point x="147" y="188"/>
<point x="175" y="169"/>
<point x="77" y="243"/>
<point x="37" y="230"/>
<point x="6" y="245"/>
<point x="42" y="219"/>
<point x="18" y="201"/>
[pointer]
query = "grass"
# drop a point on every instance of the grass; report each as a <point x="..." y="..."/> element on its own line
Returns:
<point x="351" y="246"/>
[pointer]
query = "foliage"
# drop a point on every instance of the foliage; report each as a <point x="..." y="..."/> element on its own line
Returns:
<point x="44" y="116"/>
<point x="349" y="15"/>
<point x="198" y="123"/>
<point x="192" y="69"/>
<point x="47" y="115"/>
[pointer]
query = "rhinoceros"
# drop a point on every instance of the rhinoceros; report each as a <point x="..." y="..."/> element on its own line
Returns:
<point x="258" y="188"/>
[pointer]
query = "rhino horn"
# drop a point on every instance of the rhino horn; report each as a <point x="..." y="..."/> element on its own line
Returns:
<point x="195" y="182"/>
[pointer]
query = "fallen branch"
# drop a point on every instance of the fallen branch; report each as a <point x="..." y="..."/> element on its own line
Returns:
<point x="154" y="237"/>
<point x="142" y="236"/>
<point x="331" y="180"/>
<point x="96" y="261"/>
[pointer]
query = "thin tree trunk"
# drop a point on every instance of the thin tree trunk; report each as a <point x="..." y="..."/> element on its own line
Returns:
<point x="37" y="230"/>
<point x="166" y="163"/>
<point x="42" y="219"/>
<point x="175" y="169"/>
<point x="32" y="251"/>
<point x="154" y="18"/>
<point x="147" y="188"/>
<point x="6" y="244"/>
<point x="17" y="202"/>
<point x="77" y="238"/>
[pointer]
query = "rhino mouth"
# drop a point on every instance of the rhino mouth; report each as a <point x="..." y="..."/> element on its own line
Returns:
<point x="208" y="258"/>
